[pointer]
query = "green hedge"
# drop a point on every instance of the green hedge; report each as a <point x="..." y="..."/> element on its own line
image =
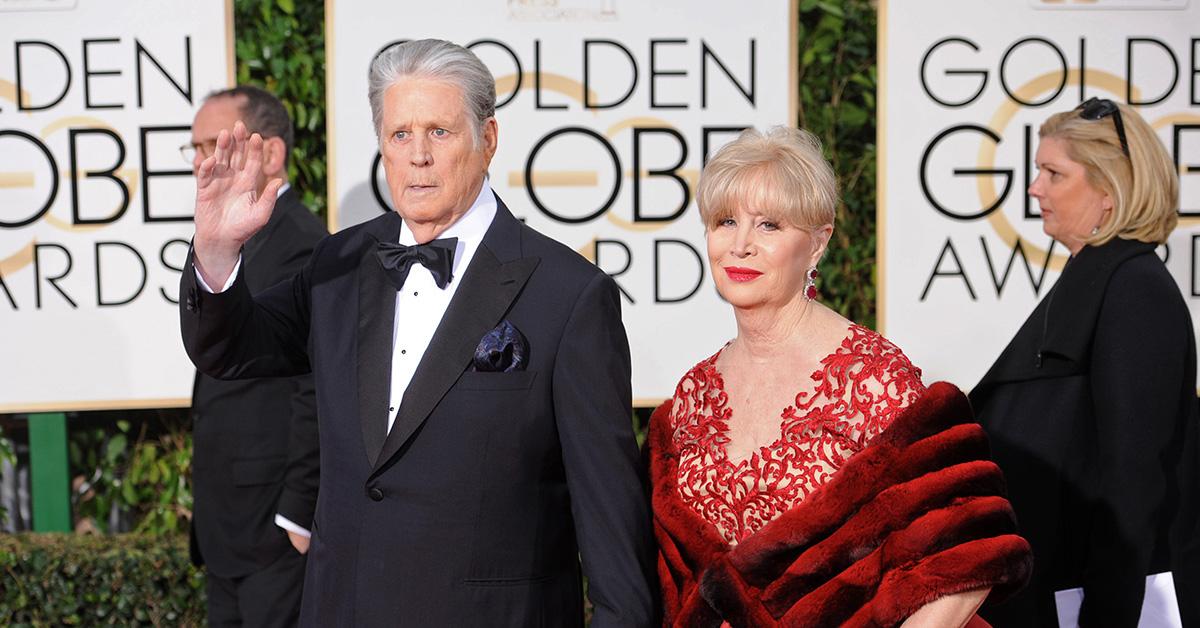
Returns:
<point x="77" y="580"/>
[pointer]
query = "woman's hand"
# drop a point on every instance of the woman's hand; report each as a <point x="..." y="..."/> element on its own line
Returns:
<point x="950" y="611"/>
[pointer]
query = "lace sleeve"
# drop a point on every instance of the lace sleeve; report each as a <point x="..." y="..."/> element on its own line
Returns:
<point x="885" y="384"/>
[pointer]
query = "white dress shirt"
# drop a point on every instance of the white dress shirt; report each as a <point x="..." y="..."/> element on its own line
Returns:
<point x="421" y="304"/>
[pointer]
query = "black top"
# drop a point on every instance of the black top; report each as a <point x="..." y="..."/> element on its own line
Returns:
<point x="1092" y="415"/>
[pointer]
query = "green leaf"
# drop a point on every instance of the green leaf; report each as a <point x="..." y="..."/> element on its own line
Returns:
<point x="114" y="449"/>
<point x="831" y="8"/>
<point x="853" y="116"/>
<point x="128" y="493"/>
<point x="286" y="6"/>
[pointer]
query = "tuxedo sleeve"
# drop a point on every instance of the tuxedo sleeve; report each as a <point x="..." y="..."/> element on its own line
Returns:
<point x="298" y="500"/>
<point x="592" y="405"/>
<point x="233" y="335"/>
<point x="302" y="477"/>
<point x="1137" y="368"/>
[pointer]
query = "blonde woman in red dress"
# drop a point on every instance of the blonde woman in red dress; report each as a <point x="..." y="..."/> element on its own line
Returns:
<point x="803" y="475"/>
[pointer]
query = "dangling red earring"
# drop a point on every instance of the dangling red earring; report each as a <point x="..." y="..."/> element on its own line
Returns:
<point x="810" y="284"/>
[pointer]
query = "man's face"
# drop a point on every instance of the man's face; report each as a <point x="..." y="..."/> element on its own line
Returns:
<point x="214" y="115"/>
<point x="434" y="167"/>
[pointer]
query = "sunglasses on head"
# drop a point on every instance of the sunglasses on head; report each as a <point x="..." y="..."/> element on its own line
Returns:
<point x="1097" y="108"/>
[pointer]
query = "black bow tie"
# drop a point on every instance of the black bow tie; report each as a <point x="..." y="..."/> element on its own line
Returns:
<point x="437" y="256"/>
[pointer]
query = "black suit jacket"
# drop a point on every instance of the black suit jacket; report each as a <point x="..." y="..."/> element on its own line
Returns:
<point x="1092" y="415"/>
<point x="477" y="507"/>
<point x="255" y="441"/>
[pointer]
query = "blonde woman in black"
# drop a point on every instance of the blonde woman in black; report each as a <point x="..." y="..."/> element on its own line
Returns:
<point x="1091" y="409"/>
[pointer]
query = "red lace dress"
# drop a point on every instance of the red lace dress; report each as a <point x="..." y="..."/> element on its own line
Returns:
<point x="859" y="389"/>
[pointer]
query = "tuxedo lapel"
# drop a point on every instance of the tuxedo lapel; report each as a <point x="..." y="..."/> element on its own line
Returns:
<point x="488" y="289"/>
<point x="376" y="317"/>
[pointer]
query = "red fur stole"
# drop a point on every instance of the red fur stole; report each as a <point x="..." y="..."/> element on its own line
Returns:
<point x="917" y="515"/>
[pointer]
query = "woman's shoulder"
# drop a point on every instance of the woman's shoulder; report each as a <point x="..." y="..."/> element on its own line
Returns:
<point x="703" y="372"/>
<point x="1120" y="273"/>
<point x="869" y="381"/>
<point x="1146" y="275"/>
<point x="864" y="346"/>
<point x="1142" y="293"/>
<point x="877" y="368"/>
<point x="697" y="382"/>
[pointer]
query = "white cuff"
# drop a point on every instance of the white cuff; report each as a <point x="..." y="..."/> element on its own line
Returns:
<point x="228" y="282"/>
<point x="291" y="526"/>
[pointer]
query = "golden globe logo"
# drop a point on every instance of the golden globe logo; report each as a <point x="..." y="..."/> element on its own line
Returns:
<point x="1002" y="168"/>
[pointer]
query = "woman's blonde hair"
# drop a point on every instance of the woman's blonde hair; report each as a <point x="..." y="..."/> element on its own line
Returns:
<point x="781" y="173"/>
<point x="1143" y="186"/>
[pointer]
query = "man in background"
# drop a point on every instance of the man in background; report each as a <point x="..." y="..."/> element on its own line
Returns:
<point x="255" y="462"/>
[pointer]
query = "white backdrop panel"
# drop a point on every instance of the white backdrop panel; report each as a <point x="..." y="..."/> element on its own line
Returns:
<point x="95" y="199"/>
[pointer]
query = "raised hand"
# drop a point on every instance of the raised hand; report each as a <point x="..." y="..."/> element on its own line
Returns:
<point x="229" y="207"/>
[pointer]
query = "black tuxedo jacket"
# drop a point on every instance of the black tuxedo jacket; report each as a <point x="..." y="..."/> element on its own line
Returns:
<point x="478" y="505"/>
<point x="255" y="441"/>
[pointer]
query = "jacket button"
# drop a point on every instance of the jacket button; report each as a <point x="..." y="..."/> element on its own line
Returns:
<point x="375" y="494"/>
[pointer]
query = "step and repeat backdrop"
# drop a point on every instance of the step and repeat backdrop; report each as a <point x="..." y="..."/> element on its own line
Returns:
<point x="607" y="110"/>
<point x="95" y="198"/>
<point x="964" y="87"/>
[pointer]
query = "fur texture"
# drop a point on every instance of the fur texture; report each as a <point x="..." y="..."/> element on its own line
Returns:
<point x="917" y="515"/>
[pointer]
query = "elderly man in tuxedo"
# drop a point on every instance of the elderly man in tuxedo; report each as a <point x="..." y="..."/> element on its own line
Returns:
<point x="472" y="377"/>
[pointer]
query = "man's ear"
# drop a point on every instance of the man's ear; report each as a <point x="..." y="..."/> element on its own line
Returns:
<point x="274" y="158"/>
<point x="490" y="139"/>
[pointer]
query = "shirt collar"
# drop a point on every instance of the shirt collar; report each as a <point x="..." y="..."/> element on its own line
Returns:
<point x="283" y="188"/>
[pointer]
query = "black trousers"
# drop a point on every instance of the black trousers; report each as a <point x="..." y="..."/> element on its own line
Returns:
<point x="269" y="597"/>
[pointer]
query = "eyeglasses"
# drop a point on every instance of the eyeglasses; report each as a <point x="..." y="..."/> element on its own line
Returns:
<point x="188" y="151"/>
<point x="1097" y="108"/>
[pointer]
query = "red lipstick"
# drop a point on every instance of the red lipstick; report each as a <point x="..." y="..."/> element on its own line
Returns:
<point x="739" y="274"/>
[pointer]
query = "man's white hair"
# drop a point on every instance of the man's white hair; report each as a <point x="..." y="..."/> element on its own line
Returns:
<point x="435" y="59"/>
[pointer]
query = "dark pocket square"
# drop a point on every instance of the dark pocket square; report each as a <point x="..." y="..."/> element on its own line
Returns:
<point x="501" y="350"/>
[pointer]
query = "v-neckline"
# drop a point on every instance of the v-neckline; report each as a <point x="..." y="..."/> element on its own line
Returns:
<point x="717" y="381"/>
